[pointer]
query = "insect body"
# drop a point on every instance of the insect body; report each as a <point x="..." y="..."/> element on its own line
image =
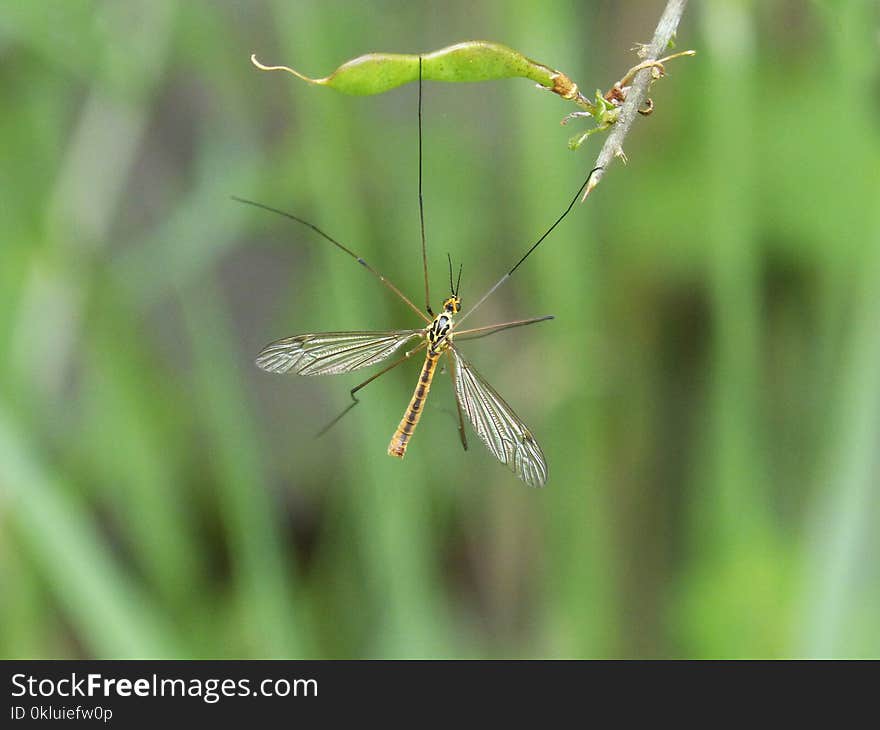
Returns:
<point x="492" y="419"/>
<point x="439" y="337"/>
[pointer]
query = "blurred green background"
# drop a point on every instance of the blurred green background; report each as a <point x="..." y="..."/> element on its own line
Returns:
<point x="708" y="397"/>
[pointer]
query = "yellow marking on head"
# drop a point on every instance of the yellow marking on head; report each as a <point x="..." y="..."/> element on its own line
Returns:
<point x="452" y="305"/>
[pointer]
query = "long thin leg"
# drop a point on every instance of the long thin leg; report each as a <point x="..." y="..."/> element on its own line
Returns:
<point x="369" y="380"/>
<point x="529" y="252"/>
<point x="477" y="332"/>
<point x="338" y="245"/>
<point x="421" y="203"/>
<point x="461" y="432"/>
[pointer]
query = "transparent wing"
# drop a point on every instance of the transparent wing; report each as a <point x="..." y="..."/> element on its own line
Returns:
<point x="504" y="434"/>
<point x="332" y="353"/>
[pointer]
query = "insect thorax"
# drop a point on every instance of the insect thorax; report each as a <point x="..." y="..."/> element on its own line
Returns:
<point x="439" y="332"/>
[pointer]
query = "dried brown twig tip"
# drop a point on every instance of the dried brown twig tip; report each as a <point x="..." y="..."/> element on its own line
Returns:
<point x="617" y="93"/>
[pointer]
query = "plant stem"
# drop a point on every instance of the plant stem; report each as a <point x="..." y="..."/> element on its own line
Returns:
<point x="638" y="92"/>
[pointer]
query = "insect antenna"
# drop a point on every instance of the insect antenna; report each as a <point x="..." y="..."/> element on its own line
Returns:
<point x="531" y="249"/>
<point x="454" y="288"/>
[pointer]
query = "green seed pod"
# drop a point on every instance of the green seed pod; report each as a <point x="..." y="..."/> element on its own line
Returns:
<point x="375" y="73"/>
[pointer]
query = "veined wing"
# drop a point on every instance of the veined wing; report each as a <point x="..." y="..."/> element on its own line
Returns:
<point x="332" y="353"/>
<point x="505" y="435"/>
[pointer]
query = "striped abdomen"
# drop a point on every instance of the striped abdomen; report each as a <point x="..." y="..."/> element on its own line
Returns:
<point x="410" y="419"/>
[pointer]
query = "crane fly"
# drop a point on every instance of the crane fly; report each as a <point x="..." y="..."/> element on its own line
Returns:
<point x="334" y="353"/>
